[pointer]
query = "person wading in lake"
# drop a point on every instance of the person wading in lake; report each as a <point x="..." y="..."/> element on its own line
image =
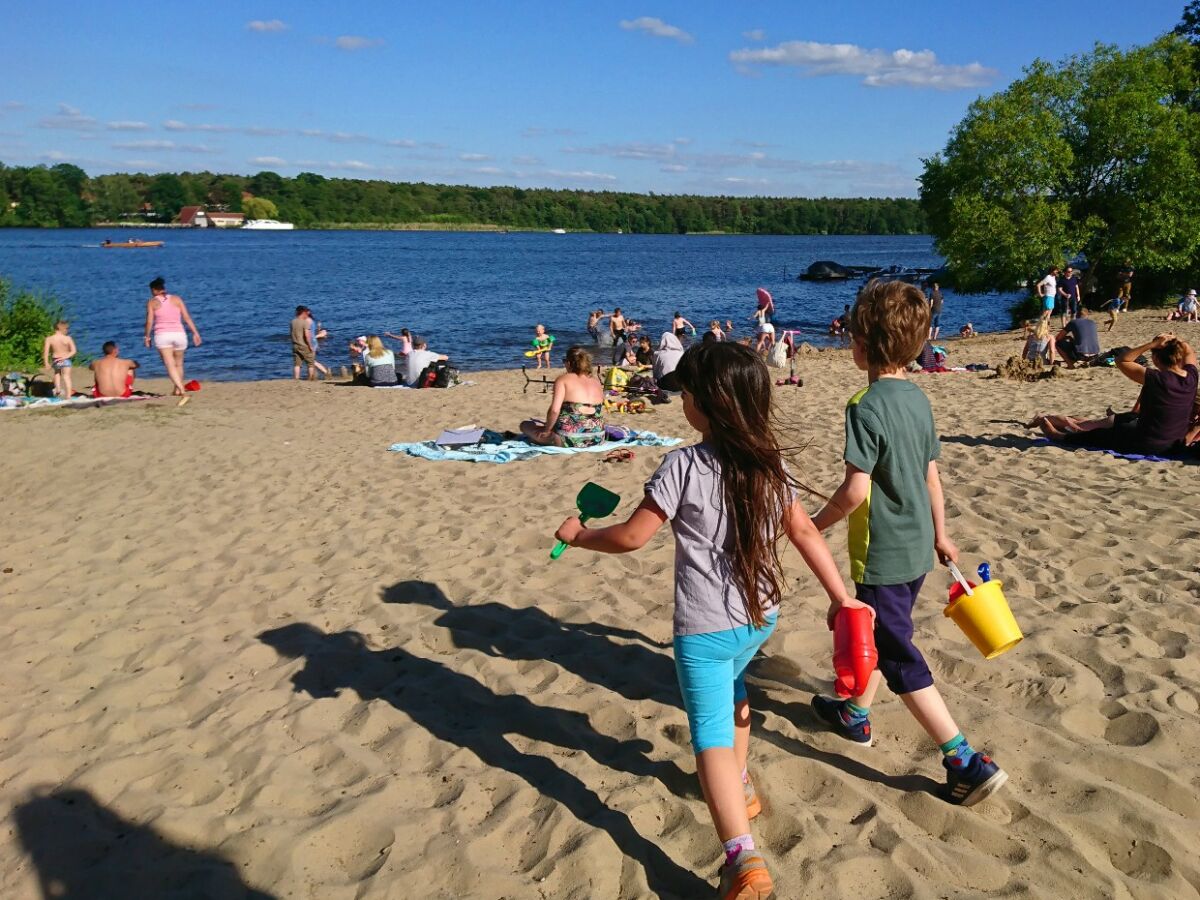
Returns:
<point x="616" y="327"/>
<point x="166" y="315"/>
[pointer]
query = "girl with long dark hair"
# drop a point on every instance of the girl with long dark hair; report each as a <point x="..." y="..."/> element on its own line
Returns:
<point x="730" y="500"/>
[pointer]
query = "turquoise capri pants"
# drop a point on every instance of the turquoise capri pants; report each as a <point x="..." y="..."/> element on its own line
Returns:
<point x="711" y="669"/>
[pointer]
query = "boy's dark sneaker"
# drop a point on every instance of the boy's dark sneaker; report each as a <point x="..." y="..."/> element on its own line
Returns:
<point x="829" y="711"/>
<point x="976" y="781"/>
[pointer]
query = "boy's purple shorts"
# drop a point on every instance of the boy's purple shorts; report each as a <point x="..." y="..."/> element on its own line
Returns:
<point x="901" y="663"/>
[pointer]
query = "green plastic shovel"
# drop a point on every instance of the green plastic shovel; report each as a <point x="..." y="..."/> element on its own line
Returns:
<point x="594" y="502"/>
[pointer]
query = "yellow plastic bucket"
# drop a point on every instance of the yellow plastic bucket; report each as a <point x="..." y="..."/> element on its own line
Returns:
<point x="985" y="618"/>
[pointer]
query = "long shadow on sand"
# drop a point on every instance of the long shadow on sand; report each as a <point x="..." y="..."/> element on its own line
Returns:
<point x="84" y="851"/>
<point x="457" y="709"/>
<point x="587" y="649"/>
<point x="1000" y="441"/>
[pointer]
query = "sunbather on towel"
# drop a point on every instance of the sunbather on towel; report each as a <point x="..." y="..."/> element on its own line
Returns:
<point x="114" y="375"/>
<point x="576" y="414"/>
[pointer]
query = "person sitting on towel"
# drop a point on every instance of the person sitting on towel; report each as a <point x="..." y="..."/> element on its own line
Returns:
<point x="114" y="375"/>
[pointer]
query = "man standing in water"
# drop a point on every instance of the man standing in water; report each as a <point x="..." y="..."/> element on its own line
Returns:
<point x="304" y="350"/>
<point x="616" y="327"/>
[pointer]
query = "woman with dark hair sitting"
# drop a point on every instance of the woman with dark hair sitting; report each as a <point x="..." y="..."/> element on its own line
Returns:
<point x="576" y="414"/>
<point x="1164" y="408"/>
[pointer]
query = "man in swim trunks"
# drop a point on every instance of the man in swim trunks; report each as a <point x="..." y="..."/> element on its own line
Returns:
<point x="1048" y="291"/>
<point x="616" y="327"/>
<point x="114" y="376"/>
<point x="57" y="352"/>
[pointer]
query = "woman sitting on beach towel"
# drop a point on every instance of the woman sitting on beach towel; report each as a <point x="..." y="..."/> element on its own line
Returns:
<point x="1163" y="422"/>
<point x="667" y="357"/>
<point x="576" y="414"/>
<point x="379" y="363"/>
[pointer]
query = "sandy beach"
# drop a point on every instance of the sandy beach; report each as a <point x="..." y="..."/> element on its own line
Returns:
<point x="249" y="652"/>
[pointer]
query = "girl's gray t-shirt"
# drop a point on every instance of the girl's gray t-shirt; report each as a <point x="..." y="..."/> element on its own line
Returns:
<point x="687" y="488"/>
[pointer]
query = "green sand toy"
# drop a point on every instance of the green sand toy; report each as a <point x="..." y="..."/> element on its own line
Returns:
<point x="594" y="502"/>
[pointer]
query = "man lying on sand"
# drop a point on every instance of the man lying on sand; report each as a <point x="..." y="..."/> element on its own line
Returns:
<point x="114" y="376"/>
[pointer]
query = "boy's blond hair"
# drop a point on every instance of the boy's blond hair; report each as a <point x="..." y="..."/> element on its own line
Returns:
<point x="891" y="320"/>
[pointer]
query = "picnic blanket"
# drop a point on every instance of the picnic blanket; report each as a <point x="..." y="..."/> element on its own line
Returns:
<point x="511" y="451"/>
<point x="1190" y="453"/>
<point x="16" y="403"/>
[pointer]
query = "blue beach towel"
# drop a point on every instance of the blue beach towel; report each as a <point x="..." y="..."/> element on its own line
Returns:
<point x="1189" y="454"/>
<point x="511" y="451"/>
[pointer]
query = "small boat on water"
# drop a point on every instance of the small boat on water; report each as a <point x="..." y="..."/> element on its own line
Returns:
<point x="131" y="244"/>
<point x="267" y="225"/>
<point x="559" y="231"/>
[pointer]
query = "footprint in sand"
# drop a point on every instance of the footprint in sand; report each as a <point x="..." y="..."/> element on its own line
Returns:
<point x="1133" y="729"/>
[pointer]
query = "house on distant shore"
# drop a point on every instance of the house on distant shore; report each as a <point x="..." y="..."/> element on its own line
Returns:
<point x="225" y="219"/>
<point x="193" y="216"/>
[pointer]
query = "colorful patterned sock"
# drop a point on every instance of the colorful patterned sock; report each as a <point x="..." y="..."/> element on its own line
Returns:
<point x="736" y="845"/>
<point x="958" y="751"/>
<point x="853" y="714"/>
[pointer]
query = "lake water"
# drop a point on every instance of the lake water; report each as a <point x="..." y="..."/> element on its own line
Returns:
<point x="475" y="296"/>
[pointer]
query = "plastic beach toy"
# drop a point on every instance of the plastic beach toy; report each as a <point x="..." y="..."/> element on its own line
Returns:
<point x="983" y="615"/>
<point x="854" y="653"/>
<point x="192" y="385"/>
<point x="537" y="348"/>
<point x="594" y="502"/>
<point x="764" y="296"/>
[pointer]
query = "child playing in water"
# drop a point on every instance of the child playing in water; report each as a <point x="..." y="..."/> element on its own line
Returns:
<point x="730" y="499"/>
<point x="542" y="343"/>
<point x="58" y="350"/>
<point x="892" y="495"/>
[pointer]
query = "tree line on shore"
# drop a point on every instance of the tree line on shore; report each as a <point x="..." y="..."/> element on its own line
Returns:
<point x="64" y="195"/>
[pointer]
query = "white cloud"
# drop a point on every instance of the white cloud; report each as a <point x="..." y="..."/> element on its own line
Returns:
<point x="488" y="170"/>
<point x="268" y="161"/>
<point x="352" y="42"/>
<point x="673" y="167"/>
<point x="145" y="145"/>
<point x="12" y="105"/>
<point x="124" y="125"/>
<point x="165" y="146"/>
<point x="876" y="68"/>
<point x="527" y="161"/>
<point x="267" y="26"/>
<point x="68" y="118"/>
<point x="755" y="34"/>
<point x="580" y="175"/>
<point x="56" y="156"/>
<point x="657" y="28"/>
<point x="474" y="157"/>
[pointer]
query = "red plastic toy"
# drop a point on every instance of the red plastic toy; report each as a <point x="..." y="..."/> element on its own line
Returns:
<point x="854" y="653"/>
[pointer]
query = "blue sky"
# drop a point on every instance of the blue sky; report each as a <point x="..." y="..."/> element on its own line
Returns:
<point x="744" y="98"/>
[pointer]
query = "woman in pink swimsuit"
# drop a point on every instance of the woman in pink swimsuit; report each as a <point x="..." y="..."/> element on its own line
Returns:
<point x="166" y="315"/>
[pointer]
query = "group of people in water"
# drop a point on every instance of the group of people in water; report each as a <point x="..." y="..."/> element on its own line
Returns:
<point x="167" y="316"/>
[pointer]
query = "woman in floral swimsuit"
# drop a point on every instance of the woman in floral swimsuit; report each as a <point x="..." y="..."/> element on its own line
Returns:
<point x="576" y="414"/>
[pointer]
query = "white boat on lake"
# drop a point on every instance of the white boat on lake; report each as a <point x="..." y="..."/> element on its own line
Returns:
<point x="267" y="225"/>
<point x="559" y="231"/>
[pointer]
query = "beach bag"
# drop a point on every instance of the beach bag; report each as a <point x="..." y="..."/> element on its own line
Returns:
<point x="777" y="358"/>
<point x="446" y="376"/>
<point x="435" y="374"/>
<point x="616" y="378"/>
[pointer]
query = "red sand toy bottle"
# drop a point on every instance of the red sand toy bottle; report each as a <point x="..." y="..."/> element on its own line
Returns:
<point x="854" y="653"/>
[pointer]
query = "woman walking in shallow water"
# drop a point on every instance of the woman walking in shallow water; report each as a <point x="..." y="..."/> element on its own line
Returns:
<point x="166" y="315"/>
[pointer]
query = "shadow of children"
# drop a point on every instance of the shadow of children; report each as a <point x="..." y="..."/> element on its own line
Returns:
<point x="586" y="649"/>
<point x="458" y="709"/>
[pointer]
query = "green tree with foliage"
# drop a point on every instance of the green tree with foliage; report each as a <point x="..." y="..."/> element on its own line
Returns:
<point x="114" y="196"/>
<point x="26" y="318"/>
<point x="167" y="195"/>
<point x="259" y="208"/>
<point x="1098" y="155"/>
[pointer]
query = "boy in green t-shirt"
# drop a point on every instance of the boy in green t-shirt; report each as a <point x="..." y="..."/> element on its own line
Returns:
<point x="893" y="498"/>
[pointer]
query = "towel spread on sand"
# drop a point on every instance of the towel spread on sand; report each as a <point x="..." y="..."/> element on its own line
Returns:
<point x="1189" y="454"/>
<point x="510" y="451"/>
<point x="74" y="403"/>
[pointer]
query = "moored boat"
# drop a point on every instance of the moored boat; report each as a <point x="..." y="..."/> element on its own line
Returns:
<point x="267" y="225"/>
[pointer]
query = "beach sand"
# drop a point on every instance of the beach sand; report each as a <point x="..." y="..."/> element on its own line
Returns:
<point x="247" y="651"/>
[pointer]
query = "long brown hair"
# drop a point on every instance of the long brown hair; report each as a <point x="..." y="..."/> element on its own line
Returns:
<point x="730" y="384"/>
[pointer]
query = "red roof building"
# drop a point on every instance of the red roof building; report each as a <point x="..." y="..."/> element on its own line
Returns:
<point x="194" y="216"/>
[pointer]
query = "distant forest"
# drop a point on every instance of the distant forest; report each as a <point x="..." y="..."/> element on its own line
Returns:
<point x="65" y="196"/>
